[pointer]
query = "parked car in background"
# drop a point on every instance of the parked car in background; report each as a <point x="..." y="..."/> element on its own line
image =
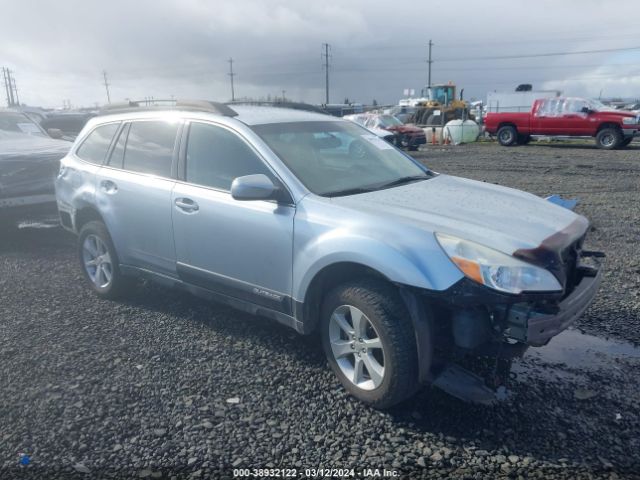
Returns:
<point x="37" y="114"/>
<point x="29" y="162"/>
<point x="633" y="107"/>
<point x="12" y="120"/>
<point x="406" y="136"/>
<point x="361" y="118"/>
<point x="402" y="112"/>
<point x="565" y="117"/>
<point x="69" y="123"/>
<point x="401" y="270"/>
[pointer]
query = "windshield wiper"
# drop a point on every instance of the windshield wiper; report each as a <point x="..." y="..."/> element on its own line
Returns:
<point x="348" y="191"/>
<point x="378" y="186"/>
<point x="402" y="180"/>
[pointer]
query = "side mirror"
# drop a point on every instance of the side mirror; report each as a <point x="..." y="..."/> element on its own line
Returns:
<point x="254" y="187"/>
<point x="55" y="133"/>
<point x="586" y="110"/>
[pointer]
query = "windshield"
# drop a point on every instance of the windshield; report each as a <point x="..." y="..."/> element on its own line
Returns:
<point x="339" y="158"/>
<point x="388" y="121"/>
<point x="598" y="106"/>
<point x="18" y="122"/>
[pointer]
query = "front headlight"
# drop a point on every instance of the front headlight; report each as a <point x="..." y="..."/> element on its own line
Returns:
<point x="629" y="120"/>
<point x="496" y="269"/>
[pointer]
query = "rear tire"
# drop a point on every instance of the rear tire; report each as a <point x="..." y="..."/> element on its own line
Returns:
<point x="507" y="136"/>
<point x="524" y="139"/>
<point x="370" y="343"/>
<point x="609" y="138"/>
<point x="99" y="261"/>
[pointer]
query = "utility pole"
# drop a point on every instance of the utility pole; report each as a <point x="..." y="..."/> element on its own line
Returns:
<point x="283" y="97"/>
<point x="106" y="85"/>
<point x="15" y="90"/>
<point x="10" y="87"/>
<point x="6" y="85"/>
<point x="231" y="75"/>
<point x="326" y="70"/>
<point x="429" y="62"/>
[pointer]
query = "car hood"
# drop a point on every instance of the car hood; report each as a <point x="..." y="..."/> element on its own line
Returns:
<point x="15" y="144"/>
<point x="502" y="218"/>
<point x="29" y="163"/>
<point x="404" y="129"/>
<point x="614" y="114"/>
<point x="380" y="132"/>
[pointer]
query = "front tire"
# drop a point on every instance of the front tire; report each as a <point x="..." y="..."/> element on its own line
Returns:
<point x="507" y="136"/>
<point x="99" y="261"/>
<point x="609" y="138"/>
<point x="369" y="341"/>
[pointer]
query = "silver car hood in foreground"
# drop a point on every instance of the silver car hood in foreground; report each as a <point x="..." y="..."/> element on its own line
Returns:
<point x="499" y="217"/>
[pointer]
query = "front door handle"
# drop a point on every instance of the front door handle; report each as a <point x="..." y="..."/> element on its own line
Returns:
<point x="108" y="186"/>
<point x="187" y="205"/>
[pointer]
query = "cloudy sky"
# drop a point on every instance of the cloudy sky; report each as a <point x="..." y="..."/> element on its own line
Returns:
<point x="162" y="48"/>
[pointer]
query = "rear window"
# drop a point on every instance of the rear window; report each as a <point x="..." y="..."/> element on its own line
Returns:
<point x="94" y="148"/>
<point x="149" y="147"/>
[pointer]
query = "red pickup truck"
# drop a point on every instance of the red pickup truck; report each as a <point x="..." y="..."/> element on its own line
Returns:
<point x="565" y="117"/>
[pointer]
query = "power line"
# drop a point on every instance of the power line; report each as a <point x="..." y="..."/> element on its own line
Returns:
<point x="326" y="70"/>
<point x="475" y="44"/>
<point x="231" y="75"/>
<point x="538" y="55"/>
<point x="106" y="85"/>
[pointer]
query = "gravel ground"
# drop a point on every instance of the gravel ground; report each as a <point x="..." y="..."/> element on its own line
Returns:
<point x="165" y="385"/>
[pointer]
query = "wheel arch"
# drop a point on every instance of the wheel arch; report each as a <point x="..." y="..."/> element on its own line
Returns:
<point x="343" y="272"/>
<point x="604" y="125"/>
<point x="328" y="276"/>
<point x="506" y="124"/>
<point x="86" y="214"/>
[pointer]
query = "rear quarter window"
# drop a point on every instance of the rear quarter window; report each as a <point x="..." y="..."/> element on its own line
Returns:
<point x="149" y="147"/>
<point x="95" y="147"/>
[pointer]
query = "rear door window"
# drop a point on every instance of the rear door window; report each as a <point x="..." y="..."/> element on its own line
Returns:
<point x="117" y="155"/>
<point x="94" y="148"/>
<point x="149" y="147"/>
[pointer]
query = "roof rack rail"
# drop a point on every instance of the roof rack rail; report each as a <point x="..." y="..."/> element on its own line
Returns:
<point x="208" y="106"/>
<point x="282" y="104"/>
<point x="120" y="105"/>
<point x="199" y="105"/>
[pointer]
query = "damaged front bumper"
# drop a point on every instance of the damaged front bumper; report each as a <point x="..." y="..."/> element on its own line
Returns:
<point x="536" y="328"/>
<point x="499" y="327"/>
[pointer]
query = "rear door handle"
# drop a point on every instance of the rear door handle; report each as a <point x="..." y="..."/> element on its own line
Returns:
<point x="187" y="205"/>
<point x="108" y="186"/>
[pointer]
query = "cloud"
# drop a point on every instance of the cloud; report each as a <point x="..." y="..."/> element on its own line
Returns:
<point x="58" y="50"/>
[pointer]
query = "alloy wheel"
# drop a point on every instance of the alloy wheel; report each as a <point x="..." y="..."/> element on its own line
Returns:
<point x="356" y="347"/>
<point x="97" y="261"/>
<point x="506" y="136"/>
<point x="607" y="140"/>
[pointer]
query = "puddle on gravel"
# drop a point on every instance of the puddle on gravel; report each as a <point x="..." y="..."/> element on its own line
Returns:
<point x="581" y="351"/>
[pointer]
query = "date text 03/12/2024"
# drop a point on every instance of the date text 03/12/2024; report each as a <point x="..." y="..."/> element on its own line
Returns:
<point x="315" y="473"/>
